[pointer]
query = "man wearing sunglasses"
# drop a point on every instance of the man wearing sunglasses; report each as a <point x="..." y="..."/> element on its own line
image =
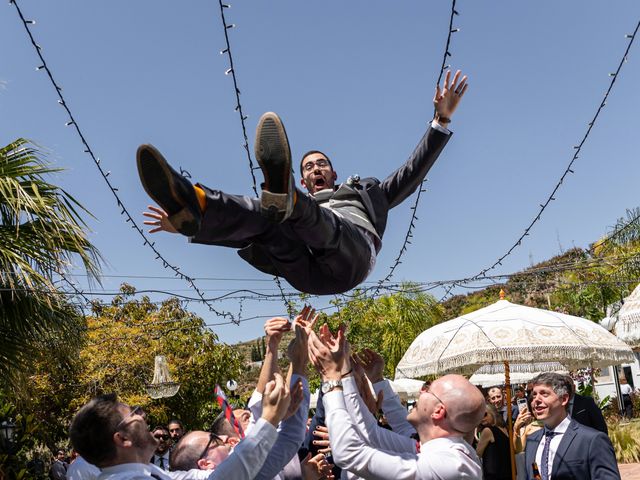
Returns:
<point x="116" y="438"/>
<point x="161" y="455"/>
<point x="445" y="414"/>
<point x="322" y="243"/>
<point x="207" y="451"/>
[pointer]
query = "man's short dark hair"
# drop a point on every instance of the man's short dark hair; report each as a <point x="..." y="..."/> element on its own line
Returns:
<point x="161" y="427"/>
<point x="92" y="429"/>
<point x="311" y="152"/>
<point x="184" y="456"/>
<point x="560" y="384"/>
<point x="175" y="420"/>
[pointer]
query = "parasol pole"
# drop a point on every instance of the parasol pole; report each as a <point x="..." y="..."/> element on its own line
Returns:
<point x="512" y="451"/>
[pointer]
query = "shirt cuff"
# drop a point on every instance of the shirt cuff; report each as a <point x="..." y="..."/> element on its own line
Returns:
<point x="440" y="128"/>
<point x="385" y="386"/>
<point x="349" y="385"/>
<point x="332" y="400"/>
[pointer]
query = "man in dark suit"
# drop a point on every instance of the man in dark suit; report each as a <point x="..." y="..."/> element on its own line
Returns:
<point x="322" y="243"/>
<point x="58" y="470"/>
<point x="585" y="411"/>
<point x="564" y="448"/>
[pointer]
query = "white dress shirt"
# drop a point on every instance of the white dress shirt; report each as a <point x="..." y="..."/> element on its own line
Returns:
<point x="80" y="469"/>
<point x="394" y="411"/>
<point x="441" y="458"/>
<point x="555" y="442"/>
<point x="243" y="464"/>
<point x="291" y="433"/>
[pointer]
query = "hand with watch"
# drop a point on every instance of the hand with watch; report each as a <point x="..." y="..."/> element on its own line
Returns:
<point x="330" y="354"/>
<point x="446" y="99"/>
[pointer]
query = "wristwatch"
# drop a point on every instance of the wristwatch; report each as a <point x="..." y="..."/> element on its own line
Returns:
<point x="331" y="385"/>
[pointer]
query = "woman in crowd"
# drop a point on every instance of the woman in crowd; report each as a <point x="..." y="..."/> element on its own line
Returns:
<point x="493" y="446"/>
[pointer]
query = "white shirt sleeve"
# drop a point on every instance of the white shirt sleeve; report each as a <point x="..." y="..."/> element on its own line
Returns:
<point x="249" y="455"/>
<point x="255" y="407"/>
<point x="367" y="425"/>
<point x="393" y="409"/>
<point x="440" y="128"/>
<point x="290" y="435"/>
<point x="351" y="454"/>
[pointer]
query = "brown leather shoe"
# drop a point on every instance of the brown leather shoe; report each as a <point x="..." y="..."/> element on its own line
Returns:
<point x="169" y="189"/>
<point x="274" y="156"/>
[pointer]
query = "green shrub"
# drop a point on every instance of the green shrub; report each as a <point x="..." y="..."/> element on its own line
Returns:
<point x="625" y="438"/>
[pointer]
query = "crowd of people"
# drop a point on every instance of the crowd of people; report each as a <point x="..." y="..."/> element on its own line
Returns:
<point x="455" y="429"/>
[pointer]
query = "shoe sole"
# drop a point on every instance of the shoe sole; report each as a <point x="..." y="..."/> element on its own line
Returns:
<point x="155" y="176"/>
<point x="274" y="157"/>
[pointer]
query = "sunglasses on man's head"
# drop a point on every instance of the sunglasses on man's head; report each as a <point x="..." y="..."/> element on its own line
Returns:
<point x="161" y="436"/>
<point x="137" y="410"/>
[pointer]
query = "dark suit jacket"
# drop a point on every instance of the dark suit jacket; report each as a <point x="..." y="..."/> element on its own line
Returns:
<point x="379" y="197"/>
<point x="58" y="470"/>
<point x="586" y="412"/>
<point x="583" y="454"/>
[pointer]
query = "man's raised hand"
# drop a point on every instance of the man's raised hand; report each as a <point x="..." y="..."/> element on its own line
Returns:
<point x="447" y="98"/>
<point x="159" y="220"/>
<point x="274" y="328"/>
<point x="276" y="400"/>
<point x="372" y="363"/>
<point x="329" y="353"/>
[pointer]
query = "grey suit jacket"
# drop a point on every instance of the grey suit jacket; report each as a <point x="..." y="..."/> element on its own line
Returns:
<point x="379" y="197"/>
<point x="583" y="453"/>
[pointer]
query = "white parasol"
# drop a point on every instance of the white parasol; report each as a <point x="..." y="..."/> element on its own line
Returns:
<point x="627" y="328"/>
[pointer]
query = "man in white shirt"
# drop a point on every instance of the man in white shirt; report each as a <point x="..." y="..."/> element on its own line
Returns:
<point x="445" y="413"/>
<point x="80" y="469"/>
<point x="115" y="437"/>
<point x="291" y="431"/>
<point x="565" y="449"/>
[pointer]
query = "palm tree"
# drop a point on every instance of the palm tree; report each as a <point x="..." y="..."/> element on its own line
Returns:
<point x="41" y="234"/>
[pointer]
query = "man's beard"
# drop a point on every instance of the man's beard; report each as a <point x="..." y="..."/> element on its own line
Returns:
<point x="144" y="440"/>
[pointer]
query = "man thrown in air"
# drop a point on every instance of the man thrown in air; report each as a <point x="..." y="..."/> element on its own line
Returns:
<point x="323" y="242"/>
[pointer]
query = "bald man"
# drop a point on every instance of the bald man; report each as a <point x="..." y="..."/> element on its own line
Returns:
<point x="445" y="413"/>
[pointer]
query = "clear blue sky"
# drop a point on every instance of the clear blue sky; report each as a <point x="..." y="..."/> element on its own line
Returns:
<point x="354" y="79"/>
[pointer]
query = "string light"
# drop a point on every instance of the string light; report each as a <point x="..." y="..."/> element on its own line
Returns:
<point x="566" y="172"/>
<point x="414" y="208"/>
<point x="238" y="108"/>
<point x="87" y="149"/>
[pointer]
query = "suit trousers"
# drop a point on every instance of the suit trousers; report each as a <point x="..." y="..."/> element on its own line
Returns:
<point x="315" y="250"/>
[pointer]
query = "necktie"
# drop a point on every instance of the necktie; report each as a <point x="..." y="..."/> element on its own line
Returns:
<point x="544" y="468"/>
<point x="161" y="463"/>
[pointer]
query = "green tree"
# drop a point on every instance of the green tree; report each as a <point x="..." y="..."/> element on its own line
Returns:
<point x="390" y="323"/>
<point x="41" y="234"/>
<point x="125" y="336"/>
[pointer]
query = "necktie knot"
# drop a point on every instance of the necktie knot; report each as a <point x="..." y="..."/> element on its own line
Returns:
<point x="549" y="433"/>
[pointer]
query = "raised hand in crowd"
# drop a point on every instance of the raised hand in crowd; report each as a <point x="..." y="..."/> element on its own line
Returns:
<point x="329" y="353"/>
<point x="274" y="329"/>
<point x="373" y="402"/>
<point x="307" y="319"/>
<point x="316" y="468"/>
<point x="298" y="349"/>
<point x="275" y="400"/>
<point x="372" y="363"/>
<point x="321" y="439"/>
